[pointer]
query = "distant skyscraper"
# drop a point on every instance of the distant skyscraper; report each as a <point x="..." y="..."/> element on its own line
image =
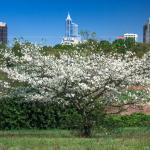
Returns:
<point x="72" y="35"/>
<point x="3" y="33"/>
<point x="146" y="32"/>
<point x="68" y="25"/>
<point x="74" y="30"/>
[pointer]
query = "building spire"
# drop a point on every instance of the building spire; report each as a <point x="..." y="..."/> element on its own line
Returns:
<point x="68" y="17"/>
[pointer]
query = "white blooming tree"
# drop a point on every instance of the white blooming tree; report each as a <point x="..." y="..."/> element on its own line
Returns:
<point x="88" y="83"/>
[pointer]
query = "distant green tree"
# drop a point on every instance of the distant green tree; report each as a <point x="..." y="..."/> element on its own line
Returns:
<point x="140" y="49"/>
<point x="93" y="35"/>
<point x="105" y="46"/>
<point x="119" y="46"/>
<point x="130" y="43"/>
<point x="63" y="47"/>
<point x="46" y="50"/>
<point x="89" y="46"/>
<point x="84" y="34"/>
<point x="16" y="49"/>
<point x="3" y="46"/>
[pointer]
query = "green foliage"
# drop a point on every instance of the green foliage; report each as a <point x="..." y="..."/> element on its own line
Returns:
<point x="71" y="119"/>
<point x="133" y="120"/>
<point x="130" y="42"/>
<point x="63" y="47"/>
<point x="47" y="50"/>
<point x="91" y="44"/>
<point x="16" y="113"/>
<point x="3" y="46"/>
<point x="119" y="46"/>
<point x="16" y="49"/>
<point x="12" y="115"/>
<point x="140" y="49"/>
<point x="105" y="46"/>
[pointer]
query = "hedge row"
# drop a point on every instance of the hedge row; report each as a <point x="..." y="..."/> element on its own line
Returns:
<point x="16" y="113"/>
<point x="133" y="120"/>
<point x="19" y="114"/>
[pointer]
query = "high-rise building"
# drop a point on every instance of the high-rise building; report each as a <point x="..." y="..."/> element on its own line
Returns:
<point x="74" y="30"/>
<point x="3" y="33"/>
<point x="72" y="35"/>
<point x="146" y="32"/>
<point x="68" y="25"/>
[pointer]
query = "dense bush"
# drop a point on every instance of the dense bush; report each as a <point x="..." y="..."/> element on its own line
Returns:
<point x="15" y="113"/>
<point x="133" y="120"/>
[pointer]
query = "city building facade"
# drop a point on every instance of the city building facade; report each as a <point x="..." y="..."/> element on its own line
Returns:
<point x="146" y="32"/>
<point x="131" y="35"/>
<point x="3" y="33"/>
<point x="71" y="36"/>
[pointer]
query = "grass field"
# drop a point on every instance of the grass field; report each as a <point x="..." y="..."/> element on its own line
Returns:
<point x="122" y="139"/>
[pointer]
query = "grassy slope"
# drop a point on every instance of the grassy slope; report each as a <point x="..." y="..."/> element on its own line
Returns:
<point x="127" y="139"/>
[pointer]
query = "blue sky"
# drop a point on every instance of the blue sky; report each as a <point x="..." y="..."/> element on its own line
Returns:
<point x="44" y="20"/>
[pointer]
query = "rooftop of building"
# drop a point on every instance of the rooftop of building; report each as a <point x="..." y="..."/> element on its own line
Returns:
<point x="147" y="22"/>
<point x="68" y="17"/>
<point x="3" y="24"/>
<point x="130" y="34"/>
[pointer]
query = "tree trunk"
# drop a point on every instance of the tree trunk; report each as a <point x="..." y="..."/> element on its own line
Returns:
<point x="86" y="131"/>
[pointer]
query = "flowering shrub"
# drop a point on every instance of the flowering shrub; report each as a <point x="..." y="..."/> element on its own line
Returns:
<point x="89" y="83"/>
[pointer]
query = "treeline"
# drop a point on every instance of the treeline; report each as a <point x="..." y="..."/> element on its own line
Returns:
<point x="120" y="46"/>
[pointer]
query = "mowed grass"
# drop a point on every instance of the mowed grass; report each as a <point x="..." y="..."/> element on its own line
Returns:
<point x="121" y="139"/>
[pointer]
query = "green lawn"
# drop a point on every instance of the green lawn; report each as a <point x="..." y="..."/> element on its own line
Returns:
<point x="124" y="139"/>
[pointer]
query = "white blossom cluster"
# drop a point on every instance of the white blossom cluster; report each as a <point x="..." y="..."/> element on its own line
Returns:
<point x="76" y="77"/>
<point x="3" y="85"/>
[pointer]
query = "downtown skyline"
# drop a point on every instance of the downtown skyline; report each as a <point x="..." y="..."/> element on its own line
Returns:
<point x="37" y="20"/>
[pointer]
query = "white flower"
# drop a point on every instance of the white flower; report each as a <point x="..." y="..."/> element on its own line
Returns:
<point x="78" y="74"/>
